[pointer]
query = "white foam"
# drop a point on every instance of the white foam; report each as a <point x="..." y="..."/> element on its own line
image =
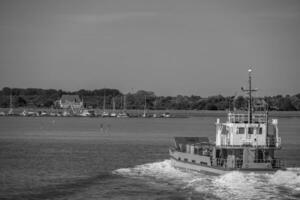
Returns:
<point x="289" y="178"/>
<point x="157" y="169"/>
<point x="233" y="185"/>
<point x="238" y="185"/>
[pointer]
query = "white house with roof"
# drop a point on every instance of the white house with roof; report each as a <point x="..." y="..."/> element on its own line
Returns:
<point x="70" y="101"/>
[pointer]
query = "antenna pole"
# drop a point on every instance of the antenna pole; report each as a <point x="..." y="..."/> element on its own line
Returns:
<point x="250" y="98"/>
<point x="249" y="91"/>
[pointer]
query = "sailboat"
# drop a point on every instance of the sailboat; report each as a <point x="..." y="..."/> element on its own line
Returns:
<point x="123" y="113"/>
<point x="145" y="107"/>
<point x="113" y="113"/>
<point x="104" y="113"/>
<point x="10" y="111"/>
<point x="85" y="113"/>
<point x="24" y="113"/>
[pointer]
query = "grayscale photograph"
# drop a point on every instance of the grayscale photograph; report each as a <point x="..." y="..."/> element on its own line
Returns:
<point x="149" y="99"/>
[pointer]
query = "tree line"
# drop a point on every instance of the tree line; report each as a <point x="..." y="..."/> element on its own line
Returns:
<point x="47" y="98"/>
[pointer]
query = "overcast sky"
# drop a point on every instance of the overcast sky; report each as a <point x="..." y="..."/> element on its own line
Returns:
<point x="171" y="47"/>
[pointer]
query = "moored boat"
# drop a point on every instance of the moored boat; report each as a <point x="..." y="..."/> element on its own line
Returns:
<point x="124" y="113"/>
<point x="104" y="112"/>
<point x="244" y="142"/>
<point x="85" y="113"/>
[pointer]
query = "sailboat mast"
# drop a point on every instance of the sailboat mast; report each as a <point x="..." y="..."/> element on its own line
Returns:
<point x="114" y="104"/>
<point x="10" y="100"/>
<point x="104" y="102"/>
<point x="124" y="103"/>
<point x="145" y="106"/>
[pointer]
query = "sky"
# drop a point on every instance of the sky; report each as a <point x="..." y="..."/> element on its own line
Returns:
<point x="170" y="47"/>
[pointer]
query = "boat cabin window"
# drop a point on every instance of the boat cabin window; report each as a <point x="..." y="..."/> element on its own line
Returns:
<point x="241" y="130"/>
<point x="250" y="130"/>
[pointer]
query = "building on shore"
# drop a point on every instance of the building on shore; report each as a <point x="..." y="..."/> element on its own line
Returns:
<point x="70" y="102"/>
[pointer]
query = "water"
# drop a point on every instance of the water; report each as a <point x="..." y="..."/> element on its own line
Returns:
<point x="94" y="158"/>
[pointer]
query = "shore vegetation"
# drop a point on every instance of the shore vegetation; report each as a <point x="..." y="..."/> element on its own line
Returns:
<point x="47" y="98"/>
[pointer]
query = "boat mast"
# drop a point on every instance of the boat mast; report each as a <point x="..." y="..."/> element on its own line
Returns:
<point x="10" y="100"/>
<point x="124" y="103"/>
<point x="104" y="102"/>
<point x="114" y="104"/>
<point x="145" y="106"/>
<point x="10" y="103"/>
<point x="250" y="98"/>
<point x="249" y="91"/>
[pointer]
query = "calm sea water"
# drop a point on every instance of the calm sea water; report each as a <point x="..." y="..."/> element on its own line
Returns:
<point x="95" y="158"/>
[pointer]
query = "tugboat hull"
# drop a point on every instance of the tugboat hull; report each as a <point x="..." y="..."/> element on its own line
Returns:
<point x="183" y="162"/>
<point x="195" y="167"/>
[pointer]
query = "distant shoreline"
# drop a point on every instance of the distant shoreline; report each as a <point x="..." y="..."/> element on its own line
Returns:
<point x="176" y="113"/>
<point x="41" y="98"/>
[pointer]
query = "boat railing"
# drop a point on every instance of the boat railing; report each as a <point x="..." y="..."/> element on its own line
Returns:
<point x="272" y="141"/>
<point x="268" y="145"/>
<point x="238" y="163"/>
<point x="220" y="162"/>
<point x="259" y="118"/>
<point x="172" y="149"/>
<point x="278" y="163"/>
<point x="275" y="162"/>
<point x="243" y="118"/>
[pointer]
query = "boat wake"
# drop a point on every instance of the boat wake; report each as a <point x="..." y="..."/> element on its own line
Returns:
<point x="233" y="185"/>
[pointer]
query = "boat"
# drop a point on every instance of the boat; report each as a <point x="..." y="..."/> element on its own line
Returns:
<point x="246" y="142"/>
<point x="11" y="110"/>
<point x="66" y="113"/>
<point x="43" y="113"/>
<point x="104" y="112"/>
<point x="144" y="115"/>
<point x="113" y="113"/>
<point x="24" y="113"/>
<point x="166" y="115"/>
<point x="85" y="113"/>
<point x="32" y="114"/>
<point x="52" y="114"/>
<point x="124" y="113"/>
